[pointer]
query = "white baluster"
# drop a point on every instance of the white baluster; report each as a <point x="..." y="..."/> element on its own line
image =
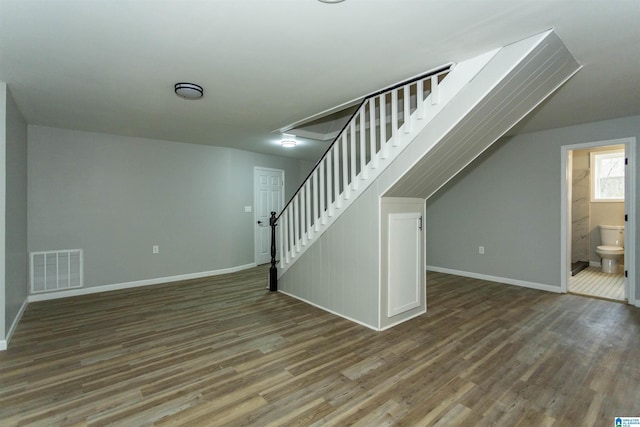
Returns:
<point x="336" y="175"/>
<point x="407" y="108"/>
<point x="420" y="99"/>
<point x="300" y="215"/>
<point x="316" y="198"/>
<point x="394" y="118"/>
<point x="363" y="144"/>
<point x="435" y="93"/>
<point x="329" y="185"/>
<point x="283" y="235"/>
<point x="292" y="235"/>
<point x="305" y="213"/>
<point x="384" y="149"/>
<point x="346" y="189"/>
<point x="372" y="133"/>
<point x="307" y="198"/>
<point x="303" y="217"/>
<point x="323" y="213"/>
<point x="352" y="138"/>
<point x="296" y="221"/>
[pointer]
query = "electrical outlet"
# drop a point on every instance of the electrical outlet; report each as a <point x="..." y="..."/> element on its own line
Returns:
<point x="247" y="208"/>
<point x="481" y="250"/>
<point x="155" y="249"/>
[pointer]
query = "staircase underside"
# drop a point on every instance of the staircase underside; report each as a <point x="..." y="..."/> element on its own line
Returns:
<point x="464" y="130"/>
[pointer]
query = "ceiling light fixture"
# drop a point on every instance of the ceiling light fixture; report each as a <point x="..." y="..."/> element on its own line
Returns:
<point x="330" y="1"/>
<point x="189" y="90"/>
<point x="288" y="141"/>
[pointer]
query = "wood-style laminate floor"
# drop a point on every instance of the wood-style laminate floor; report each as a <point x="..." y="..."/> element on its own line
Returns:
<point x="225" y="351"/>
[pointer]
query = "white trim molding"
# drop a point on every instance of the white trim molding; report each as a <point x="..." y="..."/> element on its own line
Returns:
<point x="4" y="344"/>
<point x="135" y="284"/>
<point x="391" y="325"/>
<point x="503" y="280"/>
<point x="629" y="207"/>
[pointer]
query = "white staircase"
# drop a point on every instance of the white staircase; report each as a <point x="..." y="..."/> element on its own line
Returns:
<point x="382" y="127"/>
<point x="405" y="142"/>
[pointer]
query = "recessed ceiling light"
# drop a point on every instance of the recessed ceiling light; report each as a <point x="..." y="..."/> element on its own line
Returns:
<point x="189" y="90"/>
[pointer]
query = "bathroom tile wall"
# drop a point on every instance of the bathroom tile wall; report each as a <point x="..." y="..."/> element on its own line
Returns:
<point x="580" y="204"/>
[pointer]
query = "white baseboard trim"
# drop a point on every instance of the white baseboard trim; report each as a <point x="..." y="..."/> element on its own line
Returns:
<point x="505" y="280"/>
<point x="420" y="313"/>
<point x="594" y="264"/>
<point x="329" y="310"/>
<point x="4" y="344"/>
<point x="135" y="284"/>
<point x="638" y="303"/>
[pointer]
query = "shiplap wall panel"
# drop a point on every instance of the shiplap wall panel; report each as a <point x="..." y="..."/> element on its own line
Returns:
<point x="339" y="272"/>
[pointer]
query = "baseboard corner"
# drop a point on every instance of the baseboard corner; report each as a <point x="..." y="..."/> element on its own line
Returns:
<point x="4" y="344"/>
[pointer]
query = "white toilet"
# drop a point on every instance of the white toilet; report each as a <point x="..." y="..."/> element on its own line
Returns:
<point x="611" y="249"/>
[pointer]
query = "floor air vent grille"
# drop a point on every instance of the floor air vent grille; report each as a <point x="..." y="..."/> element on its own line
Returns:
<point x="56" y="270"/>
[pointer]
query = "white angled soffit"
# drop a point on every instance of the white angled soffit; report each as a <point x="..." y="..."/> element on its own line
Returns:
<point x="517" y="79"/>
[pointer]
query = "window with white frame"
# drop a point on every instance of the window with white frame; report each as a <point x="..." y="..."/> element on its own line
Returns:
<point x="607" y="176"/>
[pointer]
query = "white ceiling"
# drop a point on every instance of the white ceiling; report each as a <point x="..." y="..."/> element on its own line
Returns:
<point x="110" y="65"/>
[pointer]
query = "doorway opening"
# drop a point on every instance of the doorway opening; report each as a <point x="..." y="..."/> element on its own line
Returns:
<point x="268" y="193"/>
<point x="598" y="203"/>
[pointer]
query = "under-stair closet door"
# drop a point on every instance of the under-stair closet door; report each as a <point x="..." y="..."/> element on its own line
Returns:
<point x="402" y="277"/>
<point x="404" y="262"/>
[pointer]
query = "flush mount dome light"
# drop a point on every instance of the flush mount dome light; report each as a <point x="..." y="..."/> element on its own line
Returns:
<point x="189" y="90"/>
<point x="288" y="141"/>
<point x="330" y="1"/>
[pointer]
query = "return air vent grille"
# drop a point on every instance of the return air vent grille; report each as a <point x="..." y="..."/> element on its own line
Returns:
<point x="56" y="270"/>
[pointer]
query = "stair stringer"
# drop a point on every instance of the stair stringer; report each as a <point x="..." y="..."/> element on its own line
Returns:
<point x="341" y="272"/>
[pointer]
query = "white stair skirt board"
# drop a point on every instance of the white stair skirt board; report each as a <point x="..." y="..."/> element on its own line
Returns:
<point x="504" y="280"/>
<point x="135" y="284"/>
<point x="4" y="344"/>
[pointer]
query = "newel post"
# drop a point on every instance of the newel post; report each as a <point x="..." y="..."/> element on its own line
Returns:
<point x="273" y="271"/>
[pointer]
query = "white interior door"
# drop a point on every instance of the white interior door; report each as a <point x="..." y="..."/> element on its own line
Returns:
<point x="268" y="192"/>
<point x="404" y="262"/>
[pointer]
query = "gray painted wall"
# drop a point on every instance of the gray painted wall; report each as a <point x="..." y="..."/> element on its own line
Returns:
<point x="3" y="176"/>
<point x="509" y="200"/>
<point x="116" y="196"/>
<point x="16" y="264"/>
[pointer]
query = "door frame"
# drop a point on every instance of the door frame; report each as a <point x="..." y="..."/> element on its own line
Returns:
<point x="255" y="206"/>
<point x="629" y="207"/>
